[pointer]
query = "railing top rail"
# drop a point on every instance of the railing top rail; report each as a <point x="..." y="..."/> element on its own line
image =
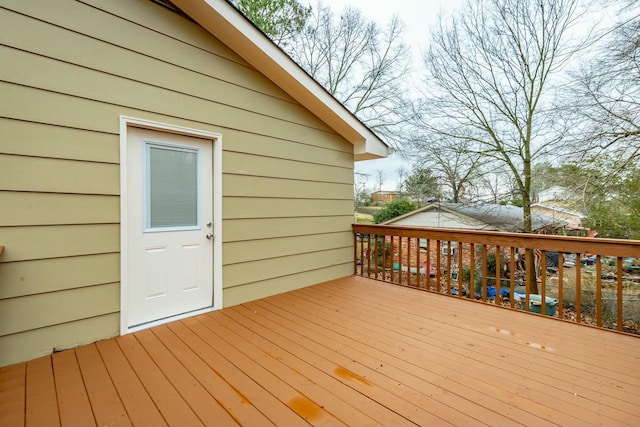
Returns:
<point x="567" y="244"/>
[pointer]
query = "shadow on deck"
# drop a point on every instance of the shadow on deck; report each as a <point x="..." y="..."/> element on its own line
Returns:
<point x="352" y="351"/>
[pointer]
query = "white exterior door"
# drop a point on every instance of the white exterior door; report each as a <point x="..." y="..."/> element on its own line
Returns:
<point x="169" y="225"/>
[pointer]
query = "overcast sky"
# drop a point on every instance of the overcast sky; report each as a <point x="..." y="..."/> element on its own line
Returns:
<point x="418" y="16"/>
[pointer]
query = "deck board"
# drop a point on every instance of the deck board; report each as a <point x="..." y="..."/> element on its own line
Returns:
<point x="233" y="402"/>
<point x="393" y="364"/>
<point x="352" y="351"/>
<point x="520" y="362"/>
<point x="12" y="394"/>
<point x="107" y="406"/>
<point x="425" y="373"/>
<point x="365" y="378"/>
<point x="286" y="393"/>
<point x="171" y="405"/>
<point x="512" y="381"/>
<point x="41" y="400"/>
<point x="304" y="360"/>
<point x="137" y="402"/>
<point x="511" y="338"/>
<point x="489" y="349"/>
<point x="267" y="355"/>
<point x="202" y="342"/>
<point x="207" y="409"/>
<point x="73" y="402"/>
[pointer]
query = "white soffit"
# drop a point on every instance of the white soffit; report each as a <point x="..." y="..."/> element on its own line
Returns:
<point x="228" y="25"/>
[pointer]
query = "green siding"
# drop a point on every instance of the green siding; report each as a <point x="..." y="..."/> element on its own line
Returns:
<point x="70" y="70"/>
<point x="53" y="274"/>
<point x="256" y="249"/>
<point x="42" y="140"/>
<point x="264" y="288"/>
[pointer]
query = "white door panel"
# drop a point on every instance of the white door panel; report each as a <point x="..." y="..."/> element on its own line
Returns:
<point x="169" y="214"/>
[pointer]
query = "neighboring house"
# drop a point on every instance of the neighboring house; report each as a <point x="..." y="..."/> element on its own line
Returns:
<point x="558" y="203"/>
<point x="157" y="162"/>
<point x="475" y="216"/>
<point x="571" y="217"/>
<point x="383" y="196"/>
<point x="555" y="193"/>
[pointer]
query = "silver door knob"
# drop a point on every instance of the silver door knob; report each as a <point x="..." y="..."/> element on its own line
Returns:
<point x="209" y="236"/>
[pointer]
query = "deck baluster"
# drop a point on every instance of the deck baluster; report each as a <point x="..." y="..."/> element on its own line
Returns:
<point x="460" y="281"/>
<point x="619" y="300"/>
<point x="472" y="270"/>
<point x="560" y="285"/>
<point x="527" y="280"/>
<point x="498" y="300"/>
<point x="427" y="267"/>
<point x="578" y="289"/>
<point x="438" y="266"/>
<point x="512" y="276"/>
<point x="598" y="291"/>
<point x="543" y="282"/>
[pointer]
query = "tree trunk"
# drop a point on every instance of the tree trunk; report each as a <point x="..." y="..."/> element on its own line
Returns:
<point x="532" y="277"/>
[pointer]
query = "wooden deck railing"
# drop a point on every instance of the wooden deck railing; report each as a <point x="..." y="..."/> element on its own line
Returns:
<point x="585" y="280"/>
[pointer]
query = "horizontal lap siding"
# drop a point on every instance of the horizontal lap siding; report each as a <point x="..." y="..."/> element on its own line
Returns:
<point x="52" y="274"/>
<point x="42" y="140"/>
<point x="284" y="219"/>
<point x="28" y="208"/>
<point x="69" y="72"/>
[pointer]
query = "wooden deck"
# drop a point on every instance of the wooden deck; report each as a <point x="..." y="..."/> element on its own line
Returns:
<point x="348" y="352"/>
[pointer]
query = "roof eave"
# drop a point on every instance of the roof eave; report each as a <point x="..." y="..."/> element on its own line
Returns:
<point x="229" y="26"/>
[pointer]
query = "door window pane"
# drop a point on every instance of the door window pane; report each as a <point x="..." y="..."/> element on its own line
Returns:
<point x="171" y="186"/>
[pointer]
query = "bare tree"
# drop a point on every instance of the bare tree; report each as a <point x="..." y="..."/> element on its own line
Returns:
<point x="402" y="173"/>
<point x="455" y="164"/>
<point x="362" y="65"/>
<point x="360" y="189"/>
<point x="491" y="74"/>
<point x="380" y="178"/>
<point x="608" y="92"/>
<point x="494" y="183"/>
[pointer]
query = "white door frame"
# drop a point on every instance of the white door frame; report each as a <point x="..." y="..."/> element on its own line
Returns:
<point x="125" y="124"/>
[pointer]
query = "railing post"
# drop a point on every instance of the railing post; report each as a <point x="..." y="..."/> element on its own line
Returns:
<point x="418" y="269"/>
<point x="484" y="273"/>
<point x="578" y="289"/>
<point x="355" y="254"/>
<point x="560" y="285"/>
<point x="598" y="291"/>
<point x="512" y="276"/>
<point x="619" y="301"/>
<point x="409" y="239"/>
<point x="448" y="267"/>
<point x="392" y="255"/>
<point x="527" y="277"/>
<point x="438" y="267"/>
<point x="460" y="284"/>
<point x="472" y="270"/>
<point x="399" y="260"/>
<point x="543" y="283"/>
<point x="498" y="300"/>
<point x="376" y="255"/>
<point x="373" y="253"/>
<point x="427" y="266"/>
